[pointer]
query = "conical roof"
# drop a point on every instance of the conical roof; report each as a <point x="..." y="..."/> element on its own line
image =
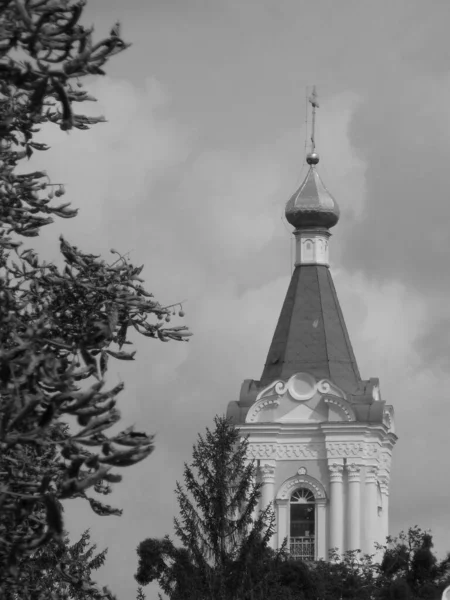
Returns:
<point x="311" y="335"/>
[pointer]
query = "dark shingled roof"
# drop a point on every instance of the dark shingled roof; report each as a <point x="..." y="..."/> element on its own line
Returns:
<point x="311" y="334"/>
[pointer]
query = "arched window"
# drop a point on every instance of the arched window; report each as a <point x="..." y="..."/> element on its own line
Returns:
<point x="302" y="524"/>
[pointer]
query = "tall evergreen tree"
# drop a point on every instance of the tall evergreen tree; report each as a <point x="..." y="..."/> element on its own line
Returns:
<point x="225" y="552"/>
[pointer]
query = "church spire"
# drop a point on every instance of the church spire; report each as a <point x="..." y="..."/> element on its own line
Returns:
<point x="311" y="335"/>
<point x="312" y="206"/>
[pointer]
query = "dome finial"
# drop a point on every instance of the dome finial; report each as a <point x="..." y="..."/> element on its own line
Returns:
<point x="313" y="158"/>
<point x="312" y="205"/>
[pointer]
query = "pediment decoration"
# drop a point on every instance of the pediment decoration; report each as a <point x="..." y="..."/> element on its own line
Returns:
<point x="301" y="387"/>
<point x="344" y="409"/>
<point x="301" y="399"/>
<point x="306" y="481"/>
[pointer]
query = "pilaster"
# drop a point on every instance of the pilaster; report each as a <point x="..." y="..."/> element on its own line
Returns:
<point x="321" y="529"/>
<point x="370" y="510"/>
<point x="354" y="507"/>
<point x="282" y="507"/>
<point x="384" y="486"/>
<point x="336" y="506"/>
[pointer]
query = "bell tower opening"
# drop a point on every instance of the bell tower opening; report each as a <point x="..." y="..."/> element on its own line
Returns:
<point x="302" y="525"/>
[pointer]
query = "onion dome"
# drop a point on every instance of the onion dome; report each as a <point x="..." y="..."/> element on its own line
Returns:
<point x="312" y="205"/>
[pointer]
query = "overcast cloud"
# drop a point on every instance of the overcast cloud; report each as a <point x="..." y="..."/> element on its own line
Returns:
<point x="203" y="147"/>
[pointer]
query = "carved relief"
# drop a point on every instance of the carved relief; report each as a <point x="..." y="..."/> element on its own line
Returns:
<point x="301" y="471"/>
<point x="348" y="412"/>
<point x="354" y="472"/>
<point x="261" y="450"/>
<point x="388" y="418"/>
<point x="346" y="449"/>
<point x="308" y="482"/>
<point x="385" y="461"/>
<point x="301" y="386"/>
<point x="371" y="474"/>
<point x="384" y="484"/>
<point x="267" y="473"/>
<point x="256" y="408"/>
<point x="326" y="387"/>
<point x="317" y="450"/>
<point x="336" y="472"/>
<point x="295" y="451"/>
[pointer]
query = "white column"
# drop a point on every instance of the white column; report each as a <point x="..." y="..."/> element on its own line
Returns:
<point x="282" y="507"/>
<point x="354" y="507"/>
<point x="268" y="479"/>
<point x="370" y="510"/>
<point x="384" y="485"/>
<point x="321" y="529"/>
<point x="336" y="507"/>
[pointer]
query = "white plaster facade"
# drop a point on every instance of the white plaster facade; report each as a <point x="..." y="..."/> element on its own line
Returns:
<point x="304" y="433"/>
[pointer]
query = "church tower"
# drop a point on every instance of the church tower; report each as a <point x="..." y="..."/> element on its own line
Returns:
<point x="321" y="436"/>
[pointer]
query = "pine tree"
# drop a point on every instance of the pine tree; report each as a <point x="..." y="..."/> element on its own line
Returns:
<point x="225" y="552"/>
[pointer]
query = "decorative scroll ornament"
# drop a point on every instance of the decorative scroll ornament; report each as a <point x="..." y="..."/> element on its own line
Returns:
<point x="301" y="387"/>
<point x="302" y="471"/>
<point x="327" y="387"/>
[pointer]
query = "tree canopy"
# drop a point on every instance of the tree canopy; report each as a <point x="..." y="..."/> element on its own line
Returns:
<point x="58" y="327"/>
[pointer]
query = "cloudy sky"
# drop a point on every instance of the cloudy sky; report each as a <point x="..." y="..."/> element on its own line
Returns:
<point x="203" y="147"/>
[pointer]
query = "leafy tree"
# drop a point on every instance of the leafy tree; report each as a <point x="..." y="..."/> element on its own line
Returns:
<point x="409" y="568"/>
<point x="292" y="580"/>
<point x="58" y="327"/>
<point x="224" y="553"/>
<point x="63" y="569"/>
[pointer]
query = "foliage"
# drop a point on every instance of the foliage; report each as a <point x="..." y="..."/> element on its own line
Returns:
<point x="345" y="576"/>
<point x="140" y="594"/>
<point x="63" y="569"/>
<point x="409" y="568"/>
<point x="224" y="553"/>
<point x="292" y="580"/>
<point x="58" y="327"/>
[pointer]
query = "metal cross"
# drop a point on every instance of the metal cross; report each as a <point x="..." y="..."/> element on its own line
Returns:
<point x="314" y="104"/>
